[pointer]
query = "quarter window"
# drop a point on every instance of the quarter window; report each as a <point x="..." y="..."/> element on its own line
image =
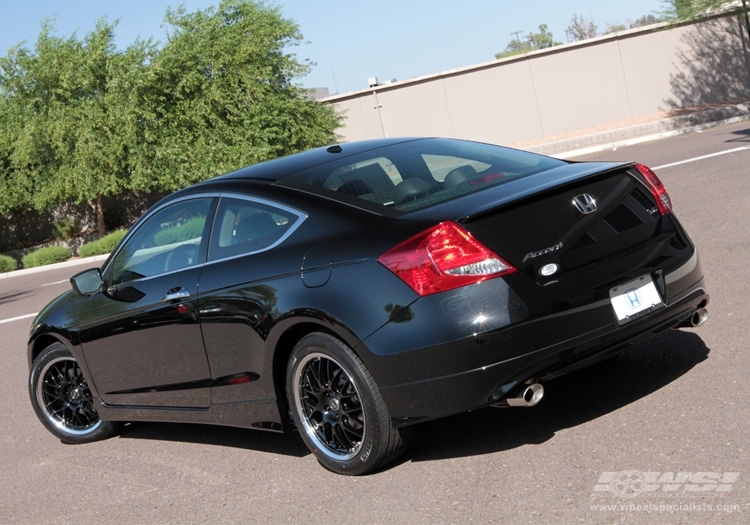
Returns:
<point x="246" y="226"/>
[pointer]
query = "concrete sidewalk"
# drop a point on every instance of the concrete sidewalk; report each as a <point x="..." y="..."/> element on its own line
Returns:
<point x="71" y="263"/>
<point x="636" y="130"/>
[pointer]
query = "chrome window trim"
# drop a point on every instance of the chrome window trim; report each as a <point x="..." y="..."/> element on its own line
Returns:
<point x="299" y="214"/>
<point x="150" y="213"/>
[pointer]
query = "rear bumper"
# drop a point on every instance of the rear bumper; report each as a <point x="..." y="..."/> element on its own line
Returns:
<point x="503" y="359"/>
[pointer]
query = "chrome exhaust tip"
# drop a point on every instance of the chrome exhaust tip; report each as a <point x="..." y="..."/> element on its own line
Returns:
<point x="699" y="317"/>
<point x="529" y="396"/>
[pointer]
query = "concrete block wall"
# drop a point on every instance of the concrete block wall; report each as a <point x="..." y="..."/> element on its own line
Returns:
<point x="547" y="93"/>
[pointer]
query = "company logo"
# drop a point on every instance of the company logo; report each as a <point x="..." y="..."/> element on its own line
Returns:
<point x="585" y="203"/>
<point x="631" y="483"/>
<point x="633" y="296"/>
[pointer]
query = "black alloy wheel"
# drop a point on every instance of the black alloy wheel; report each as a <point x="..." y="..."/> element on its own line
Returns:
<point x="337" y="408"/>
<point x="62" y="399"/>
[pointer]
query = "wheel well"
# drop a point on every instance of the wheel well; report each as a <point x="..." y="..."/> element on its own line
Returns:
<point x="283" y="350"/>
<point x="40" y="343"/>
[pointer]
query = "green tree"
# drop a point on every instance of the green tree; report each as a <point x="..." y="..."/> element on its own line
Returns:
<point x="676" y="10"/>
<point x="12" y="192"/>
<point x="580" y="29"/>
<point x="647" y="20"/>
<point x="532" y="42"/>
<point x="66" y="137"/>
<point x="615" y="28"/>
<point x="100" y="127"/>
<point x="28" y="90"/>
<point x="543" y="39"/>
<point x="515" y="47"/>
<point x="80" y="120"/>
<point x="221" y="94"/>
<point x="686" y="9"/>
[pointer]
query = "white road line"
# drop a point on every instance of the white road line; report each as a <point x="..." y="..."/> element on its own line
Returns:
<point x="735" y="150"/>
<point x="56" y="282"/>
<point x="3" y="321"/>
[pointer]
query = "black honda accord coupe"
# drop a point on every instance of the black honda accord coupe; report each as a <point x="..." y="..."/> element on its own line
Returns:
<point x="355" y="290"/>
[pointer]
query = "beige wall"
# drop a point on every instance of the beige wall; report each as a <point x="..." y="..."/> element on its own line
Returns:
<point x="563" y="89"/>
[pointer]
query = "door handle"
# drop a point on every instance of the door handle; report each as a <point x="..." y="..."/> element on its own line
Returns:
<point x="176" y="294"/>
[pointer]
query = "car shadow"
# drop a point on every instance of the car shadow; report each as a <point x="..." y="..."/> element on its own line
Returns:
<point x="569" y="401"/>
<point x="743" y="135"/>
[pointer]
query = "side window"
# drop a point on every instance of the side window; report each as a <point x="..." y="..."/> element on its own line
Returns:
<point x="168" y="240"/>
<point x="246" y="226"/>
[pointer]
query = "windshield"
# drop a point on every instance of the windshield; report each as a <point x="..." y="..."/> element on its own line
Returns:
<point x="413" y="175"/>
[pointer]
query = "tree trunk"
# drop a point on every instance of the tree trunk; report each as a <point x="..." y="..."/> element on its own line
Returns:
<point x="100" y="217"/>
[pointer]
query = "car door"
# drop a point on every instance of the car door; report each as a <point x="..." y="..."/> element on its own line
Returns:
<point x="240" y="293"/>
<point x="141" y="335"/>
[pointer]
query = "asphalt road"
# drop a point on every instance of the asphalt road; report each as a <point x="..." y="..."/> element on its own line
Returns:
<point x="659" y="435"/>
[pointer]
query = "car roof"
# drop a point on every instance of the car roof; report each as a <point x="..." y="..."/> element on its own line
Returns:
<point x="276" y="169"/>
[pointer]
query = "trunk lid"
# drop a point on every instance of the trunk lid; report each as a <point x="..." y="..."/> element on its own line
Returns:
<point x="595" y="230"/>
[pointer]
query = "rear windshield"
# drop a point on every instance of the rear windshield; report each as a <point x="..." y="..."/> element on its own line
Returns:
<point x="413" y="175"/>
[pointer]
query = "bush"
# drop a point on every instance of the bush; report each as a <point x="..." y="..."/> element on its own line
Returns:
<point x="48" y="255"/>
<point x="102" y="246"/>
<point x="66" y="228"/>
<point x="7" y="264"/>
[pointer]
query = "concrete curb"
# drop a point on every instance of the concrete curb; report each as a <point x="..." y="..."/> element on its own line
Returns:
<point x="72" y="263"/>
<point x="628" y="136"/>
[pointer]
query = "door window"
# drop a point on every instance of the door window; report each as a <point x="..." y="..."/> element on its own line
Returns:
<point x="167" y="241"/>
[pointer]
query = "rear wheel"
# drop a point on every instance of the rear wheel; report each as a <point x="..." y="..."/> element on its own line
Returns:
<point x="62" y="400"/>
<point x="337" y="407"/>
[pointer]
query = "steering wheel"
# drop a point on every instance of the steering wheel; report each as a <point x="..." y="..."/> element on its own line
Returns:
<point x="181" y="257"/>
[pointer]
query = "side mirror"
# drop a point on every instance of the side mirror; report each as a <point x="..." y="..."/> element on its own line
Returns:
<point x="87" y="282"/>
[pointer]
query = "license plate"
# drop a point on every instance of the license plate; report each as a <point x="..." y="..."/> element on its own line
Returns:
<point x="635" y="299"/>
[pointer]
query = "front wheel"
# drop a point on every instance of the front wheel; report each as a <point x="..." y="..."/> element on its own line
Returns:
<point x="62" y="400"/>
<point x="337" y="407"/>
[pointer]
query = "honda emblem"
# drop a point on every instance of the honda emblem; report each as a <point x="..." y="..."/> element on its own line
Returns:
<point x="584" y="203"/>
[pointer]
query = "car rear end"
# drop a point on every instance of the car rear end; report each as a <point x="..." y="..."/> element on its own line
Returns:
<point x="531" y="267"/>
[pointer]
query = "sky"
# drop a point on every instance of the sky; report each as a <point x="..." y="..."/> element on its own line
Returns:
<point x="349" y="42"/>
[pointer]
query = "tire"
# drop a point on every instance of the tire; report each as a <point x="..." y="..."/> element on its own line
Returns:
<point x="62" y="400"/>
<point x="337" y="408"/>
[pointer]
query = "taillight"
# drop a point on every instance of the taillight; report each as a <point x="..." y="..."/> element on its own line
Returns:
<point x="657" y="188"/>
<point x="443" y="258"/>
